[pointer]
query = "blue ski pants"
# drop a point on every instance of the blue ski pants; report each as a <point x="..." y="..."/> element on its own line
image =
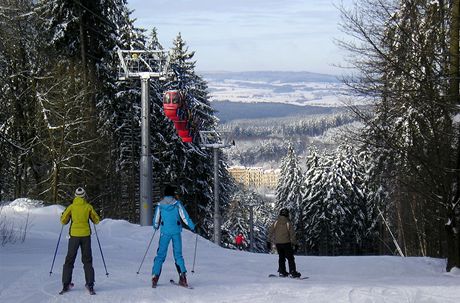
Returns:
<point x="163" y="251"/>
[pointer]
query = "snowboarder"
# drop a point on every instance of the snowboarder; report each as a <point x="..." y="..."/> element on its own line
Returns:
<point x="79" y="212"/>
<point x="240" y="241"/>
<point x="167" y="217"/>
<point x="282" y="234"/>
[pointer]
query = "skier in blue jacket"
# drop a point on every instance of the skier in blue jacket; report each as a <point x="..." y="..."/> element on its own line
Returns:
<point x="167" y="217"/>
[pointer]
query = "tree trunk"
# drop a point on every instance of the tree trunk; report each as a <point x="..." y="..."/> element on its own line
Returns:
<point x="453" y="239"/>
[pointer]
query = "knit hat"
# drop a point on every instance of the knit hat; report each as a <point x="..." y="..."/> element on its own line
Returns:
<point x="80" y="192"/>
<point x="170" y="190"/>
<point x="284" y="212"/>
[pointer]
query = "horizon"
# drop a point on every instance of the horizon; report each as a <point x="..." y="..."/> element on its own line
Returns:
<point x="264" y="71"/>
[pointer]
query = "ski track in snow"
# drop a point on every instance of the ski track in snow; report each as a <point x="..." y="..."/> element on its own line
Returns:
<point x="223" y="276"/>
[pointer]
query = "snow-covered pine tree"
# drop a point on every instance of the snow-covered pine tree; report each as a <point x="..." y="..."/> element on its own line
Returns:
<point x="406" y="51"/>
<point x="340" y="202"/>
<point x="83" y="33"/>
<point x="358" y="235"/>
<point x="288" y="190"/>
<point x="311" y="206"/>
<point x="237" y="219"/>
<point x="21" y="63"/>
<point x="374" y="187"/>
<point x="123" y="126"/>
<point x="194" y="170"/>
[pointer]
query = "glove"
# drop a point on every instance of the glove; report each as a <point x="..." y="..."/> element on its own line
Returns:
<point x="269" y="245"/>
<point x="295" y="248"/>
<point x="192" y="227"/>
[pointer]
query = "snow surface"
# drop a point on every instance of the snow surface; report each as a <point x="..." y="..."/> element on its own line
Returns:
<point x="221" y="275"/>
<point x="303" y="93"/>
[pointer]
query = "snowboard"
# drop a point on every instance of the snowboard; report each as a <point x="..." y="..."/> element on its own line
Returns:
<point x="277" y="276"/>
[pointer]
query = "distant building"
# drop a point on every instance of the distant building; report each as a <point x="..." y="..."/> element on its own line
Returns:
<point x="255" y="177"/>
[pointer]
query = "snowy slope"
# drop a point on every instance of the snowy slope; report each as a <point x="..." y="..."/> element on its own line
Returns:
<point x="220" y="275"/>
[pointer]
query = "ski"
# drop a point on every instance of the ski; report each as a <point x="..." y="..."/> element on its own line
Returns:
<point x="177" y="284"/>
<point x="277" y="276"/>
<point x="63" y="291"/>
<point x="91" y="291"/>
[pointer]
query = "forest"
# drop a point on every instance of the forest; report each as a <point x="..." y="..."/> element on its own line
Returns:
<point x="66" y="120"/>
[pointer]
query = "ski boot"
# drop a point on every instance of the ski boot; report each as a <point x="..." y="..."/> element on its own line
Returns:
<point x="155" y="281"/>
<point x="90" y="289"/>
<point x="295" y="274"/>
<point x="66" y="288"/>
<point x="183" y="280"/>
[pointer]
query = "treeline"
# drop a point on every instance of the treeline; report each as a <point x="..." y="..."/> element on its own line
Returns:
<point x="66" y="121"/>
<point x="335" y="202"/>
<point x="314" y="125"/>
<point x="406" y="54"/>
<point x="262" y="141"/>
<point x="237" y="219"/>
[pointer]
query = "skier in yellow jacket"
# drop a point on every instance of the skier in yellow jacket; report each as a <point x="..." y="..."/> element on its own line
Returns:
<point x="79" y="213"/>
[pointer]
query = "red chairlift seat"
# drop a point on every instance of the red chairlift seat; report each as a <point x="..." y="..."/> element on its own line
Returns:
<point x="183" y="133"/>
<point x="173" y="100"/>
<point x="180" y="124"/>
<point x="171" y="114"/>
<point x="187" y="139"/>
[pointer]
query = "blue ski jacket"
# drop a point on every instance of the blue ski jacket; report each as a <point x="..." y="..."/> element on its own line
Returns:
<point x="168" y="215"/>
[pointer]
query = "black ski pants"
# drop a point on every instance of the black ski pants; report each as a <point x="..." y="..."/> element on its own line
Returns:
<point x="86" y="259"/>
<point x="285" y="251"/>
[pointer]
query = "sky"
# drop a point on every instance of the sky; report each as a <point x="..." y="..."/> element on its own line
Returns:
<point x="249" y="35"/>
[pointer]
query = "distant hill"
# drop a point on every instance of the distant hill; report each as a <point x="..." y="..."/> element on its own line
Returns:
<point x="270" y="76"/>
<point x="293" y="88"/>
<point x="229" y="111"/>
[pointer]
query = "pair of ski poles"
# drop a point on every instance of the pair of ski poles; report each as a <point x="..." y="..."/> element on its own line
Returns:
<point x="103" y="259"/>
<point x="148" y="247"/>
<point x="98" y="242"/>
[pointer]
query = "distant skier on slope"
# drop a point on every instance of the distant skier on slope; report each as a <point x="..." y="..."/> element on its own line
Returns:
<point x="167" y="217"/>
<point x="79" y="212"/>
<point x="240" y="241"/>
<point x="282" y="234"/>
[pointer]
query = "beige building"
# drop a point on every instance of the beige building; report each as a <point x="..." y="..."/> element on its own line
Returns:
<point x="255" y="177"/>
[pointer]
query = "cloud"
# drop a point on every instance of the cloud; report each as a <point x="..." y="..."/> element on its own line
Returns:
<point x="244" y="29"/>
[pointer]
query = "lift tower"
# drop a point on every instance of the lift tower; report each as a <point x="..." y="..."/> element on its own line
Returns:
<point x="215" y="141"/>
<point x="144" y="65"/>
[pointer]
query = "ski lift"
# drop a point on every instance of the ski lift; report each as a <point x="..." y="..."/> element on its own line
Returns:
<point x="172" y="101"/>
<point x="180" y="124"/>
<point x="187" y="139"/>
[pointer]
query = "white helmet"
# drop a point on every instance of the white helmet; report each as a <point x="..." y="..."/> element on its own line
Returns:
<point x="80" y="192"/>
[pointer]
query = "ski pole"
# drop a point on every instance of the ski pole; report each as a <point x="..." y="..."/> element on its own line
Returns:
<point x="148" y="247"/>
<point x="55" y="251"/>
<point x="194" y="255"/>
<point x="97" y="237"/>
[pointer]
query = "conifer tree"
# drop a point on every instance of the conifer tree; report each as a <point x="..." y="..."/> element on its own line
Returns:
<point x="403" y="59"/>
<point x="21" y="63"/>
<point x="237" y="219"/>
<point x="194" y="166"/>
<point x="288" y="191"/>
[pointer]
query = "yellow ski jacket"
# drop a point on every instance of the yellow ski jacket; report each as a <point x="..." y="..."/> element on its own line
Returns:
<point x="79" y="212"/>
